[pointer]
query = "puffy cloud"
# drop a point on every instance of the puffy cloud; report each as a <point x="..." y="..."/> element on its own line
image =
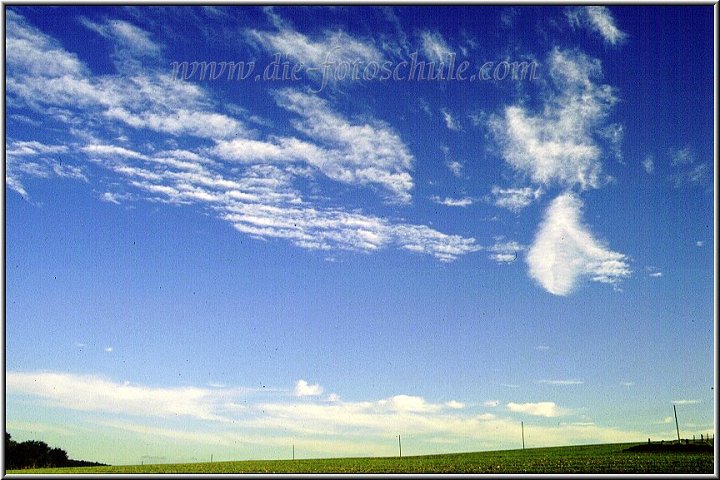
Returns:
<point x="454" y="404"/>
<point x="564" y="251"/>
<point x="304" y="389"/>
<point x="599" y="20"/>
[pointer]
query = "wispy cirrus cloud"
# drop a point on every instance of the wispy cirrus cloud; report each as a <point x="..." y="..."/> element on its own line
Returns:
<point x="435" y="47"/>
<point x="361" y="154"/>
<point x="564" y="251"/>
<point x="687" y="171"/>
<point x="453" y="202"/>
<point x="561" y="382"/>
<point x="43" y="75"/>
<point x="557" y="146"/>
<point x="599" y="20"/>
<point x="243" y="180"/>
<point x="515" y="199"/>
<point x="33" y="159"/>
<point x="332" y="47"/>
<point x="505" y="251"/>
<point x="451" y="122"/>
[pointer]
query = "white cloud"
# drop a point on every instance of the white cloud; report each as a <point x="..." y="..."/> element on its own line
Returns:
<point x="491" y="403"/>
<point x="34" y="159"/>
<point x="686" y="170"/>
<point x="599" y="20"/>
<point x="557" y="146"/>
<point x="332" y="47"/>
<point x="129" y="41"/>
<point x="333" y="397"/>
<point x="655" y="274"/>
<point x="108" y="349"/>
<point x="699" y="243"/>
<point x="450" y="122"/>
<point x="44" y="76"/>
<point x="453" y="202"/>
<point x="220" y="416"/>
<point x="564" y="251"/>
<point x="515" y="199"/>
<point x="455" y="167"/>
<point x="649" y="164"/>
<point x="435" y="47"/>
<point x="681" y="156"/>
<point x="539" y="409"/>
<point x="304" y="389"/>
<point x="505" y="252"/>
<point x="357" y="153"/>
<point x="686" y="402"/>
<point x="561" y="382"/>
<point x="257" y="196"/>
<point x="454" y="404"/>
<point x="542" y="347"/>
<point x="627" y="384"/>
<point x="110" y="150"/>
<point x="95" y="394"/>
<point x="32" y="148"/>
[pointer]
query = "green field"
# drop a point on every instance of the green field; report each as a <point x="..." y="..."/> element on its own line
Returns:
<point x="610" y="458"/>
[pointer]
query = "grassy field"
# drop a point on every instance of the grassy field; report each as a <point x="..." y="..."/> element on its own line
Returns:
<point x="610" y="458"/>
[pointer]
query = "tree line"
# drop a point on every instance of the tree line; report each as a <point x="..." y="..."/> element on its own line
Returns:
<point x="37" y="454"/>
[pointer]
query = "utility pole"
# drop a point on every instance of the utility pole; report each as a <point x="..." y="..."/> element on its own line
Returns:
<point x="400" y="446"/>
<point x="293" y="451"/>
<point x="522" y="429"/>
<point x="676" y="423"/>
<point x="211" y="458"/>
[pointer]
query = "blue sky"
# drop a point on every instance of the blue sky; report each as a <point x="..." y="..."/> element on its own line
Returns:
<point x="228" y="266"/>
